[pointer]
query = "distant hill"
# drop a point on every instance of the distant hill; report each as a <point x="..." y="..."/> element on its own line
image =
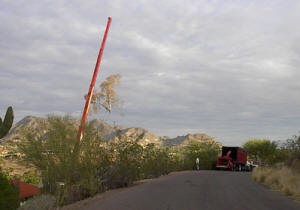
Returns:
<point x="15" y="133"/>
<point x="184" y="140"/>
<point x="103" y="128"/>
<point x="110" y="133"/>
<point x="144" y="137"/>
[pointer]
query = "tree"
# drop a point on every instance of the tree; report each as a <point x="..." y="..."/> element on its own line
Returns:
<point x="107" y="97"/>
<point x="7" y="123"/>
<point x="263" y="150"/>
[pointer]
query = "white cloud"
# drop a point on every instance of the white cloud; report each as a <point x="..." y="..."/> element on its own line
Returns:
<point x="225" y="68"/>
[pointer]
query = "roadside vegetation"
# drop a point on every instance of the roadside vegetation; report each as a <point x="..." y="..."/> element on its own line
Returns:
<point x="265" y="151"/>
<point x="279" y="177"/>
<point x="99" y="165"/>
<point x="280" y="167"/>
<point x="206" y="152"/>
<point x="9" y="194"/>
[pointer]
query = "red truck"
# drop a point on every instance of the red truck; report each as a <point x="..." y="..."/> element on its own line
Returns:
<point x="233" y="158"/>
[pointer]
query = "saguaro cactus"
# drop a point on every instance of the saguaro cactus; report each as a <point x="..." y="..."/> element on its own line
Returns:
<point x="7" y="123"/>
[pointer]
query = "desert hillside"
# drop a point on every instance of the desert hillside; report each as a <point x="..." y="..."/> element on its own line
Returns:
<point x="108" y="133"/>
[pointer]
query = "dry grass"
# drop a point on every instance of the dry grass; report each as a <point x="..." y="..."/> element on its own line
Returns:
<point x="281" y="178"/>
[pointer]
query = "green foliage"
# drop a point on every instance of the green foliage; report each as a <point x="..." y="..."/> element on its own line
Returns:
<point x="263" y="150"/>
<point x="206" y="152"/>
<point x="7" y="123"/>
<point x="30" y="177"/>
<point x="157" y="161"/>
<point x="280" y="155"/>
<point x="9" y="194"/>
<point x="53" y="155"/>
<point x="126" y="162"/>
<point x="94" y="165"/>
<point x="131" y="161"/>
<point x="42" y="202"/>
<point x="50" y="156"/>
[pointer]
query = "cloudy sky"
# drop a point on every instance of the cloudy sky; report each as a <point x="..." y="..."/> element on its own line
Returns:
<point x="229" y="69"/>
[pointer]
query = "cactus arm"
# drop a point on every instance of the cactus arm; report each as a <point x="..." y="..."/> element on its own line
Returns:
<point x="7" y="123"/>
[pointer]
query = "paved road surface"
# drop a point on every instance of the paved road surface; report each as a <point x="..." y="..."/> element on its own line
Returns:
<point x="196" y="190"/>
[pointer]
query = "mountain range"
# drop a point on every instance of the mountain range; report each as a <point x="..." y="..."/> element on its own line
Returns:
<point x="109" y="132"/>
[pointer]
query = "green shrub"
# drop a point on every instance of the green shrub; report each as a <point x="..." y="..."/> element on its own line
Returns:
<point x="9" y="194"/>
<point x="94" y="166"/>
<point x="42" y="202"/>
<point x="158" y="161"/>
<point x="206" y="152"/>
<point x="50" y="154"/>
<point x="31" y="177"/>
<point x="125" y="162"/>
<point x="55" y="157"/>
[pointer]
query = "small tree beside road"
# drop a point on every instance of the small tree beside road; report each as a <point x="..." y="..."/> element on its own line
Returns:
<point x="265" y="151"/>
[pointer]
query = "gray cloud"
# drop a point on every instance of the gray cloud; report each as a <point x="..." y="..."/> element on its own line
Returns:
<point x="228" y="69"/>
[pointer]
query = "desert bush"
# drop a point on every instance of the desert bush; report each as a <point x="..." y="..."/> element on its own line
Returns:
<point x="126" y="163"/>
<point x="131" y="161"/>
<point x="31" y="177"/>
<point x="54" y="156"/>
<point x="51" y="154"/>
<point x="73" y="171"/>
<point x="9" y="194"/>
<point x="206" y="152"/>
<point x="280" y="178"/>
<point x="42" y="202"/>
<point x="157" y="161"/>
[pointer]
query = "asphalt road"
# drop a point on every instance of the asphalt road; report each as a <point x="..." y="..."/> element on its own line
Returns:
<point x="196" y="190"/>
